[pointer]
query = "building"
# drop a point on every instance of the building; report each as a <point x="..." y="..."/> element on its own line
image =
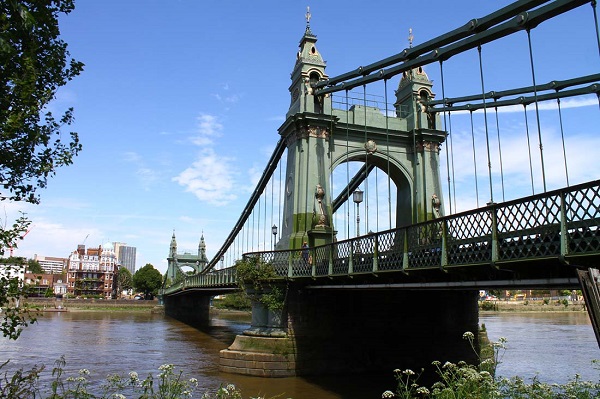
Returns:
<point x="91" y="271"/>
<point x="44" y="285"/>
<point x="50" y="264"/>
<point x="126" y="256"/>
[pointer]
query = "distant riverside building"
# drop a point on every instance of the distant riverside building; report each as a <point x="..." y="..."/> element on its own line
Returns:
<point x="91" y="271"/>
<point x="126" y="256"/>
<point x="50" y="264"/>
<point x="42" y="284"/>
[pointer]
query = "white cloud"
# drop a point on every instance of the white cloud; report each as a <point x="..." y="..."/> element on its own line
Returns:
<point x="209" y="178"/>
<point x="208" y="127"/>
<point x="146" y="176"/>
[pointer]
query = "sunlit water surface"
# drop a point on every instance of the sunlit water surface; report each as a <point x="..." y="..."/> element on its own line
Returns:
<point x="552" y="346"/>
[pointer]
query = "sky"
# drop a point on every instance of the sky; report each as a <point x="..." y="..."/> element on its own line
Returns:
<point x="179" y="104"/>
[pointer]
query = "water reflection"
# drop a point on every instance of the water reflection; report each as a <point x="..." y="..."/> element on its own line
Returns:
<point x="551" y="346"/>
<point x="554" y="345"/>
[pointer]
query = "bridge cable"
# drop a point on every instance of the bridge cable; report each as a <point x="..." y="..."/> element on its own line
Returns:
<point x="280" y="198"/>
<point x="499" y="151"/>
<point x="272" y="209"/>
<point x="487" y="138"/>
<point x="366" y="163"/>
<point x="387" y="140"/>
<point x="452" y="159"/>
<point x="529" y="149"/>
<point x="593" y="4"/>
<point x="448" y="134"/>
<point x="347" y="169"/>
<point x="256" y="228"/>
<point x="562" y="135"/>
<point x="253" y="224"/>
<point x="537" y="110"/>
<point x="258" y="224"/>
<point x="265" y="221"/>
<point x="474" y="159"/>
<point x="330" y="149"/>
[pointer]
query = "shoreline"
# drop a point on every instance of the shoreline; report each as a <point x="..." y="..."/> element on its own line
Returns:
<point x="129" y="305"/>
<point x="537" y="306"/>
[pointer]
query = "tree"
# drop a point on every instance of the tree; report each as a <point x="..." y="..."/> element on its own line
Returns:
<point x="124" y="280"/>
<point x="33" y="266"/>
<point x="12" y="291"/>
<point x="147" y="279"/>
<point x="34" y="64"/>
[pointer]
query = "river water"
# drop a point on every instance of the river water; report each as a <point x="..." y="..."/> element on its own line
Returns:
<point x="553" y="346"/>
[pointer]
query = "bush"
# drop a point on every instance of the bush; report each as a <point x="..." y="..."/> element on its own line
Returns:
<point x="236" y="301"/>
<point x="467" y="381"/>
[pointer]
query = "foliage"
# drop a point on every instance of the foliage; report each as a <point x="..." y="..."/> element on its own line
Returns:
<point x="254" y="278"/>
<point x="168" y="384"/>
<point x="465" y="381"/>
<point x="22" y="384"/>
<point x="124" y="280"/>
<point x="34" y="64"/>
<point x="33" y="266"/>
<point x="147" y="279"/>
<point x="12" y="291"/>
<point x="236" y="300"/>
<point x="253" y="272"/>
<point x="13" y="260"/>
<point x="488" y="305"/>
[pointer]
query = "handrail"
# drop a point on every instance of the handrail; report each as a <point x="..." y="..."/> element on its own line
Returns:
<point x="558" y="224"/>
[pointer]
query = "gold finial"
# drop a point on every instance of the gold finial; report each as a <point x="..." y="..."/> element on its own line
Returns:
<point x="308" y="15"/>
<point x="410" y="37"/>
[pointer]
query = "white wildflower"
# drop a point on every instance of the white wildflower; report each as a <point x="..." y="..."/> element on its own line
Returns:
<point x="388" y="394"/>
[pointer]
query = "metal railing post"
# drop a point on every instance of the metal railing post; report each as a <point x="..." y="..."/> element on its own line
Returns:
<point x="375" y="253"/>
<point x="405" y="255"/>
<point x="564" y="243"/>
<point x="351" y="259"/>
<point x="444" y="257"/>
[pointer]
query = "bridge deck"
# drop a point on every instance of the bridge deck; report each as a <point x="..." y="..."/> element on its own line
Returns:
<point x="535" y="241"/>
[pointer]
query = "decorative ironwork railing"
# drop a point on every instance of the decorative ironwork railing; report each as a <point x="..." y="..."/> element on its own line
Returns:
<point x="214" y="279"/>
<point x="563" y="224"/>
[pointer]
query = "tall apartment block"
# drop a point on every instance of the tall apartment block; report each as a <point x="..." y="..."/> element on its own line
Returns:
<point x="126" y="256"/>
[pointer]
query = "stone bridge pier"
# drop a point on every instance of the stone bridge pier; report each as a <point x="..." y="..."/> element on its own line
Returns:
<point x="190" y="307"/>
<point x="335" y="331"/>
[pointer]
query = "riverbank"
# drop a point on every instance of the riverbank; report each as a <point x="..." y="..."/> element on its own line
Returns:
<point x="79" y="305"/>
<point x="532" y="306"/>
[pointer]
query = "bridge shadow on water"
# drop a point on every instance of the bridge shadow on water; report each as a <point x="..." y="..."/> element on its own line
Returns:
<point x="225" y="325"/>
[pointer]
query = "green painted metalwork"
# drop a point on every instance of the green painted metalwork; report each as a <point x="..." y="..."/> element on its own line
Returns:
<point x="460" y="40"/>
<point x="561" y="226"/>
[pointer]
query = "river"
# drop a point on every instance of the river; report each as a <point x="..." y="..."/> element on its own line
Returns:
<point x="553" y="346"/>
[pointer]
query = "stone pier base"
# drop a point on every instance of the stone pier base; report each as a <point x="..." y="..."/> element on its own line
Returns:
<point x="260" y="356"/>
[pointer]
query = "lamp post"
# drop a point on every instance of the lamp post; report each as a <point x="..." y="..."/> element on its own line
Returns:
<point x="357" y="197"/>
<point x="222" y="261"/>
<point x="274" y="231"/>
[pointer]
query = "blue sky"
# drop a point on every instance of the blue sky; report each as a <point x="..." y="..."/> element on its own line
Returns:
<point x="179" y="104"/>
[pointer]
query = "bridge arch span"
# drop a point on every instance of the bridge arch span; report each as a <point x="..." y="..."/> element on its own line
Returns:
<point x="392" y="169"/>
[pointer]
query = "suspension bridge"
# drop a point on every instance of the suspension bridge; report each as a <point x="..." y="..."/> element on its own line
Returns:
<point x="383" y="210"/>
